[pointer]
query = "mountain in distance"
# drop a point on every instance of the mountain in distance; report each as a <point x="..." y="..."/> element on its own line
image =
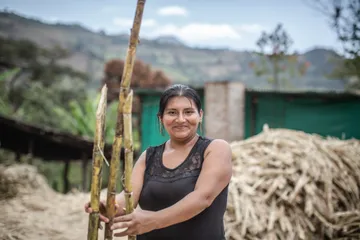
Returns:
<point x="183" y="64"/>
<point x="168" y="39"/>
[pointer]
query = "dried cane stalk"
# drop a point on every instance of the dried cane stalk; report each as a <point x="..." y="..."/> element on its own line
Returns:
<point x="98" y="148"/>
<point x="128" y="144"/>
<point x="116" y="148"/>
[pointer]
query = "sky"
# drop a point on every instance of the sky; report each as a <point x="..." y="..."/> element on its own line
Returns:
<point x="234" y="24"/>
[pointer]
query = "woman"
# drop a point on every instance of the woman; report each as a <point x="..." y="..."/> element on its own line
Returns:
<point x="181" y="185"/>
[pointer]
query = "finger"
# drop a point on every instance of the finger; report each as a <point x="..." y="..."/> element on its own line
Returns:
<point x="127" y="232"/>
<point x="120" y="225"/>
<point x="121" y="234"/>
<point x="88" y="210"/>
<point x="123" y="218"/>
<point x="86" y="206"/>
<point x="103" y="218"/>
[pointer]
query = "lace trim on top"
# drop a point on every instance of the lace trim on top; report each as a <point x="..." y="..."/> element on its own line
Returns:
<point x="190" y="167"/>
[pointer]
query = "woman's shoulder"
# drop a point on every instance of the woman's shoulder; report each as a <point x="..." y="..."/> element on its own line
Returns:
<point x="218" y="152"/>
<point x="155" y="147"/>
<point x="218" y="144"/>
<point x="215" y="141"/>
<point x="150" y="150"/>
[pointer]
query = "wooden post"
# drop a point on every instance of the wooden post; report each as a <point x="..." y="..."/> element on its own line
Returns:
<point x="30" y="151"/>
<point x="66" y="176"/>
<point x="253" y="110"/>
<point x="84" y="169"/>
<point x="18" y="157"/>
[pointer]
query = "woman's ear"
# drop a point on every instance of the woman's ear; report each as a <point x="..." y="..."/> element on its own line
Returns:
<point x="201" y="113"/>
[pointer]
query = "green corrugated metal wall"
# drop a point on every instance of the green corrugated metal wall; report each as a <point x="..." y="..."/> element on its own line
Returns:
<point x="327" y="116"/>
<point x="150" y="134"/>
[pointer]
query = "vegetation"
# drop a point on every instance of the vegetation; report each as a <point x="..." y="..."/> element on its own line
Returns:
<point x="37" y="90"/>
<point x="344" y="17"/>
<point x="276" y="61"/>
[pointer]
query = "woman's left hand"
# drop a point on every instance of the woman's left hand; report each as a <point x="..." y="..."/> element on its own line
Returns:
<point x="137" y="222"/>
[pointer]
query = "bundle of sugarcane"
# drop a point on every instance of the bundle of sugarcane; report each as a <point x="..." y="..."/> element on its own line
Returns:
<point x="123" y="133"/>
<point x="292" y="185"/>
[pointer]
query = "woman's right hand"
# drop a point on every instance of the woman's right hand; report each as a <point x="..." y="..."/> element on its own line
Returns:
<point x="102" y="209"/>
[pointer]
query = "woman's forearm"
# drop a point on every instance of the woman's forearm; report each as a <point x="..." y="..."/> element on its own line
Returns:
<point x="190" y="206"/>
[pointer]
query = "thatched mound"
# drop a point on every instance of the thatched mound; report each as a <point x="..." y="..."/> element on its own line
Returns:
<point x="32" y="210"/>
<point x="291" y="185"/>
<point x="19" y="180"/>
<point x="286" y="185"/>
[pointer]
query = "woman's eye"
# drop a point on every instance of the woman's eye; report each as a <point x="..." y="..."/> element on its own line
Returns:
<point x="189" y="112"/>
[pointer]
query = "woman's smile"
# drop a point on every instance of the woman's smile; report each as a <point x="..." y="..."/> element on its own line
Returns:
<point x="180" y="128"/>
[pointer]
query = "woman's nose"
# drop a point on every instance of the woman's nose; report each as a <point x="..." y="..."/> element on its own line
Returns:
<point x="181" y="118"/>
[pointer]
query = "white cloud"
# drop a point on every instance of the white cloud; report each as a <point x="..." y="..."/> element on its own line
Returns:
<point x="127" y="22"/>
<point x="173" y="11"/>
<point x="198" y="32"/>
<point x="205" y="34"/>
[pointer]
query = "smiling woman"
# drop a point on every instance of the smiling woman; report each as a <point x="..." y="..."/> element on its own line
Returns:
<point x="181" y="185"/>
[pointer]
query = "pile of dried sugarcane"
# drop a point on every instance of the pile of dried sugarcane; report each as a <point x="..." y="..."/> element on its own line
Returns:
<point x="20" y="179"/>
<point x="292" y="185"/>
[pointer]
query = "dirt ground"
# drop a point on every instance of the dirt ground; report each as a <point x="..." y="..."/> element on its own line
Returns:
<point x="37" y="212"/>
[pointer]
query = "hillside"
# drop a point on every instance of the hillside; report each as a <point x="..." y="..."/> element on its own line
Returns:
<point x="90" y="50"/>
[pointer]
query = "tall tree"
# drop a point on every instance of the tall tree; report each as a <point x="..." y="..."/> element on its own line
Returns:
<point x="275" y="56"/>
<point x="344" y="18"/>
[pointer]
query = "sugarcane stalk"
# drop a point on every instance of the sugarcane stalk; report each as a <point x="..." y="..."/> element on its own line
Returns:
<point x="125" y="91"/>
<point x="128" y="145"/>
<point x="98" y="149"/>
<point x="113" y="175"/>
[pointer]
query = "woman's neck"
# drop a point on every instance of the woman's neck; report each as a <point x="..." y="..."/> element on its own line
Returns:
<point x="181" y="144"/>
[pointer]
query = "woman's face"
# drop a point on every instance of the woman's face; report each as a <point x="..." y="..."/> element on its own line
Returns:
<point x="181" y="117"/>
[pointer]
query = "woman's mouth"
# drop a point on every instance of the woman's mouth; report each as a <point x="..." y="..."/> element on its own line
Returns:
<point x="180" y="127"/>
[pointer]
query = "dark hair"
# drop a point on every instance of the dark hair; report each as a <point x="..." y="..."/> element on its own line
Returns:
<point x="178" y="90"/>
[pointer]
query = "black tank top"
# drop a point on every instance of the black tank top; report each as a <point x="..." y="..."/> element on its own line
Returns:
<point x="164" y="187"/>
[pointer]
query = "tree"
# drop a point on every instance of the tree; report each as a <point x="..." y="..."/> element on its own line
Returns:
<point x="35" y="64"/>
<point x="344" y="18"/>
<point x="275" y="57"/>
<point x="143" y="77"/>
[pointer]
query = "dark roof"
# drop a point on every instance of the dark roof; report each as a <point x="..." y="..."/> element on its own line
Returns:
<point x="153" y="91"/>
<point x="306" y="93"/>
<point x="45" y="143"/>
